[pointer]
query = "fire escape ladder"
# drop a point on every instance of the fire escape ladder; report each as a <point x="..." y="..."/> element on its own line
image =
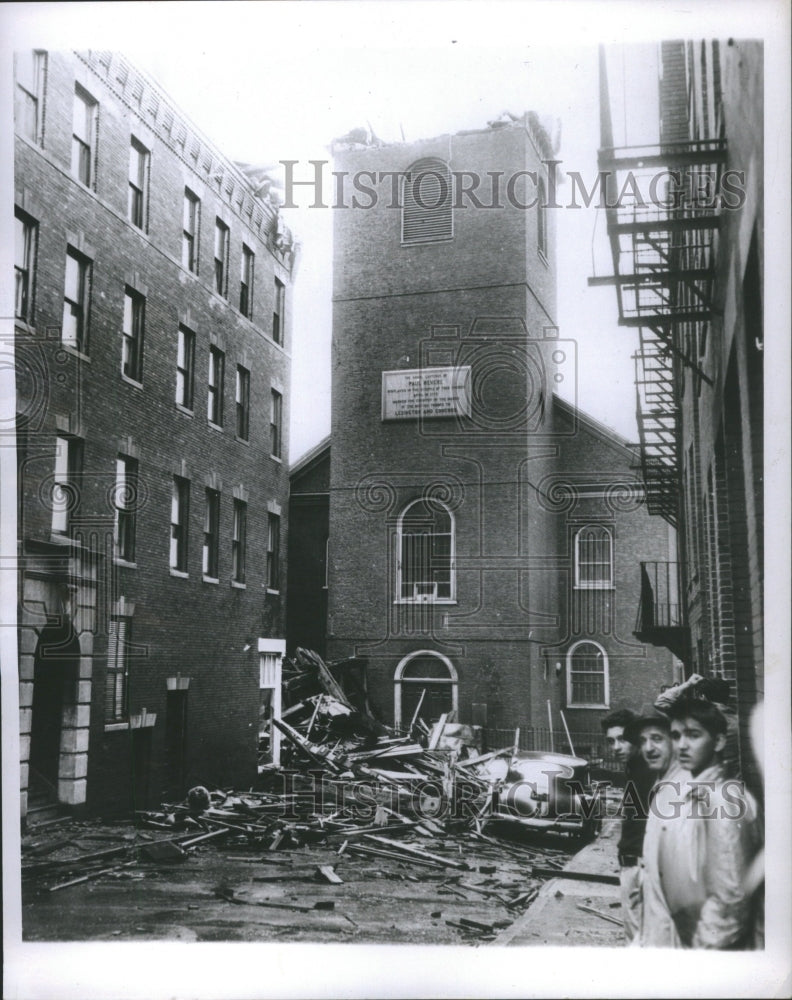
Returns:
<point x="664" y="250"/>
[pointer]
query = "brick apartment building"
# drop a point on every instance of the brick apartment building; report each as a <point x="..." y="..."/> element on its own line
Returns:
<point x="699" y="369"/>
<point x="152" y="342"/>
<point x="484" y="536"/>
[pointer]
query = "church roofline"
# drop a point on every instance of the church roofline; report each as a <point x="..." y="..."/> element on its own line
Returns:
<point x="595" y="427"/>
<point x="309" y="457"/>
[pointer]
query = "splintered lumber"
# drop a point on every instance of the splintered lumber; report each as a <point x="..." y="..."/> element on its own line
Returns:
<point x="329" y="874"/>
<point x="329" y="682"/>
<point x="92" y="875"/>
<point x="163" y="850"/>
<point x="231" y="897"/>
<point x="417" y="852"/>
<point x="575" y="876"/>
<point x="393" y="855"/>
<point x="417" y="710"/>
<point x="599" y="913"/>
<point x="212" y="835"/>
<point x="294" y="737"/>
<point x="437" y="732"/>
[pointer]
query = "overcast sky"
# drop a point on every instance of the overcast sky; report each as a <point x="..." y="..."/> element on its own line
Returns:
<point x="273" y="81"/>
<point x="292" y="102"/>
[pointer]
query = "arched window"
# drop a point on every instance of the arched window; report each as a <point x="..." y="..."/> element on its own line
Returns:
<point x="593" y="558"/>
<point x="588" y="684"/>
<point x="426" y="679"/>
<point x="425" y="570"/>
<point x="427" y="213"/>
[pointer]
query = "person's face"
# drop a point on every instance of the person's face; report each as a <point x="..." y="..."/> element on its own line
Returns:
<point x="614" y="739"/>
<point x="656" y="748"/>
<point x="696" y="747"/>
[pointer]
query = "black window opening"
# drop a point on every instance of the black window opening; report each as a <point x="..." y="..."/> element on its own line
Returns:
<point x="190" y="223"/>
<point x="126" y="493"/>
<point x="133" y="330"/>
<point x="541" y="218"/>
<point x="239" y="541"/>
<point x="211" y="545"/>
<point x="427" y="199"/>
<point x="180" y="518"/>
<point x="276" y="420"/>
<point x="246" y="282"/>
<point x="221" y="258"/>
<point x="277" y="311"/>
<point x="214" y="399"/>
<point x="185" y="362"/>
<point x="242" y="393"/>
<point x="273" y="552"/>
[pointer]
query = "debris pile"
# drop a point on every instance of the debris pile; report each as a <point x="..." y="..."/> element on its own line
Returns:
<point x="351" y="798"/>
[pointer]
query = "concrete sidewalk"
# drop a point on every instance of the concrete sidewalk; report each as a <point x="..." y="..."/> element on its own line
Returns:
<point x="555" y="919"/>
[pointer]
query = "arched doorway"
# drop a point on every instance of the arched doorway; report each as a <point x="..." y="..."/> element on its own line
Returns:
<point x="55" y="673"/>
<point x="425" y="675"/>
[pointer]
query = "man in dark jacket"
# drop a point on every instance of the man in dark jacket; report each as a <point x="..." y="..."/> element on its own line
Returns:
<point x="633" y="811"/>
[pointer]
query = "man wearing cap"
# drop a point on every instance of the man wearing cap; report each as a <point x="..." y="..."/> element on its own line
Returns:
<point x="639" y="780"/>
<point x="697" y="853"/>
<point x="650" y="732"/>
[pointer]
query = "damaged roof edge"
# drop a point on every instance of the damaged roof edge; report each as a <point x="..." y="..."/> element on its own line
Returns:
<point x="539" y="127"/>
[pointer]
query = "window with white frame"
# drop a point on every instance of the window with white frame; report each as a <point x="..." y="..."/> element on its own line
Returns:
<point x="138" y="183"/>
<point x="427" y="213"/>
<point x="211" y="545"/>
<point x="425" y="686"/>
<point x="65" y="490"/>
<point x="180" y="517"/>
<point x="24" y="265"/>
<point x="132" y="348"/>
<point x="28" y="97"/>
<point x="587" y="676"/>
<point x="273" y="552"/>
<point x="593" y="558"/>
<point x="117" y="681"/>
<point x="214" y="398"/>
<point x="425" y="563"/>
<point x="185" y="367"/>
<point x="83" y="136"/>
<point x="74" y="329"/>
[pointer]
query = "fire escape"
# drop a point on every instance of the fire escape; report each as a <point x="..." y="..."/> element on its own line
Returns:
<point x="663" y="215"/>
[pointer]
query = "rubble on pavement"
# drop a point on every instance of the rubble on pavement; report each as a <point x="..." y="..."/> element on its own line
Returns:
<point x="412" y="807"/>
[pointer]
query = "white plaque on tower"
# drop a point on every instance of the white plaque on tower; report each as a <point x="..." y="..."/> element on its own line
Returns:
<point x="422" y="393"/>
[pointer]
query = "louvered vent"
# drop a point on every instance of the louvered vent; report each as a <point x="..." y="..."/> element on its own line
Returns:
<point x="426" y="203"/>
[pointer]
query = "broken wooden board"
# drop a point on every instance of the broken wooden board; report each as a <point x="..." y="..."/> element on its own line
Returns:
<point x="575" y="876"/>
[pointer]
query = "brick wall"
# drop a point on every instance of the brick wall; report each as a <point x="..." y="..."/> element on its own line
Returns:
<point x="181" y="624"/>
<point x="487" y="298"/>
